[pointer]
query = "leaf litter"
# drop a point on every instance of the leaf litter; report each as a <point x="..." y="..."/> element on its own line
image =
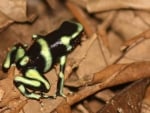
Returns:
<point x="114" y="52"/>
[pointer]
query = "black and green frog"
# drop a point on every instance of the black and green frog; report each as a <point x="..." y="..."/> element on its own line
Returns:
<point x="40" y="57"/>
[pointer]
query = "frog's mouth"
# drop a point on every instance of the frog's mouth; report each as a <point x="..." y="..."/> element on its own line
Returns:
<point x="76" y="41"/>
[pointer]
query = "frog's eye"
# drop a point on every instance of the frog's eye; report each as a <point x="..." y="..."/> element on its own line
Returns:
<point x="34" y="36"/>
<point x="76" y="37"/>
<point x="79" y="30"/>
<point x="72" y="34"/>
<point x="76" y="41"/>
<point x="25" y="46"/>
<point x="65" y="40"/>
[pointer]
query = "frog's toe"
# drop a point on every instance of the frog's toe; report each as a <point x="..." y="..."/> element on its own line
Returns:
<point x="47" y="96"/>
<point x="61" y="94"/>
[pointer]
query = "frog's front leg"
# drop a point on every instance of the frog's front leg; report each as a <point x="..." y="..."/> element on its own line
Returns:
<point x="15" y="53"/>
<point x="32" y="80"/>
<point x="60" y="83"/>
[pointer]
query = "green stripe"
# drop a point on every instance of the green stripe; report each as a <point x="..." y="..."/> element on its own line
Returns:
<point x="29" y="95"/>
<point x="34" y="74"/>
<point x="45" y="52"/>
<point x="26" y="81"/>
<point x="24" y="61"/>
<point x="79" y="29"/>
<point x="20" y="53"/>
<point x="8" y="58"/>
<point x="66" y="41"/>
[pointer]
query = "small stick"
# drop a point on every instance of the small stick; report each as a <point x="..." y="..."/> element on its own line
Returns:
<point x="128" y="73"/>
<point x="82" y="17"/>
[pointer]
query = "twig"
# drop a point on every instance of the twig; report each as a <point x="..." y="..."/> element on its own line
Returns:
<point x="82" y="17"/>
<point x="63" y="108"/>
<point x="129" y="72"/>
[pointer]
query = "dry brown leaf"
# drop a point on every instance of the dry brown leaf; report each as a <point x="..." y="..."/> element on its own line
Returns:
<point x="115" y="43"/>
<point x="105" y="5"/>
<point x="18" y="108"/>
<point x="128" y="100"/>
<point x="89" y="64"/>
<point x="122" y="73"/>
<point x="9" y="92"/>
<point x="103" y="15"/>
<point x="105" y="95"/>
<point x="102" y="28"/>
<point x="135" y="55"/>
<point x="144" y="15"/>
<point x="14" y="9"/>
<point x="137" y="48"/>
<point x="64" y="108"/>
<point x="135" y="40"/>
<point x="4" y="21"/>
<point x="128" y="25"/>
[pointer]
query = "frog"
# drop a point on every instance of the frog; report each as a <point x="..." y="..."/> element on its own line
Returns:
<point x="38" y="59"/>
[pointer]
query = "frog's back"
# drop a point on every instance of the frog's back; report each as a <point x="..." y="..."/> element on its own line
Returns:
<point x="57" y="47"/>
<point x="37" y="60"/>
<point x="46" y="50"/>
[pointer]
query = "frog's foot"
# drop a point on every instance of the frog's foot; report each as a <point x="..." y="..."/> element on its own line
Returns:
<point x="44" y="96"/>
<point x="63" y="95"/>
<point x="54" y="96"/>
<point x="60" y="94"/>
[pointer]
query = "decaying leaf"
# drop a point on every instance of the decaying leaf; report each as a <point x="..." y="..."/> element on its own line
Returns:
<point x="104" y="5"/>
<point x="121" y="73"/>
<point x="128" y="100"/>
<point x="14" y="9"/>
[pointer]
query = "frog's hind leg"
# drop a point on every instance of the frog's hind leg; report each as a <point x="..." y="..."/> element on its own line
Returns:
<point x="20" y="84"/>
<point x="32" y="80"/>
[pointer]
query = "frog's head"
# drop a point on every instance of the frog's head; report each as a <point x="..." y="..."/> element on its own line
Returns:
<point x="71" y="34"/>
